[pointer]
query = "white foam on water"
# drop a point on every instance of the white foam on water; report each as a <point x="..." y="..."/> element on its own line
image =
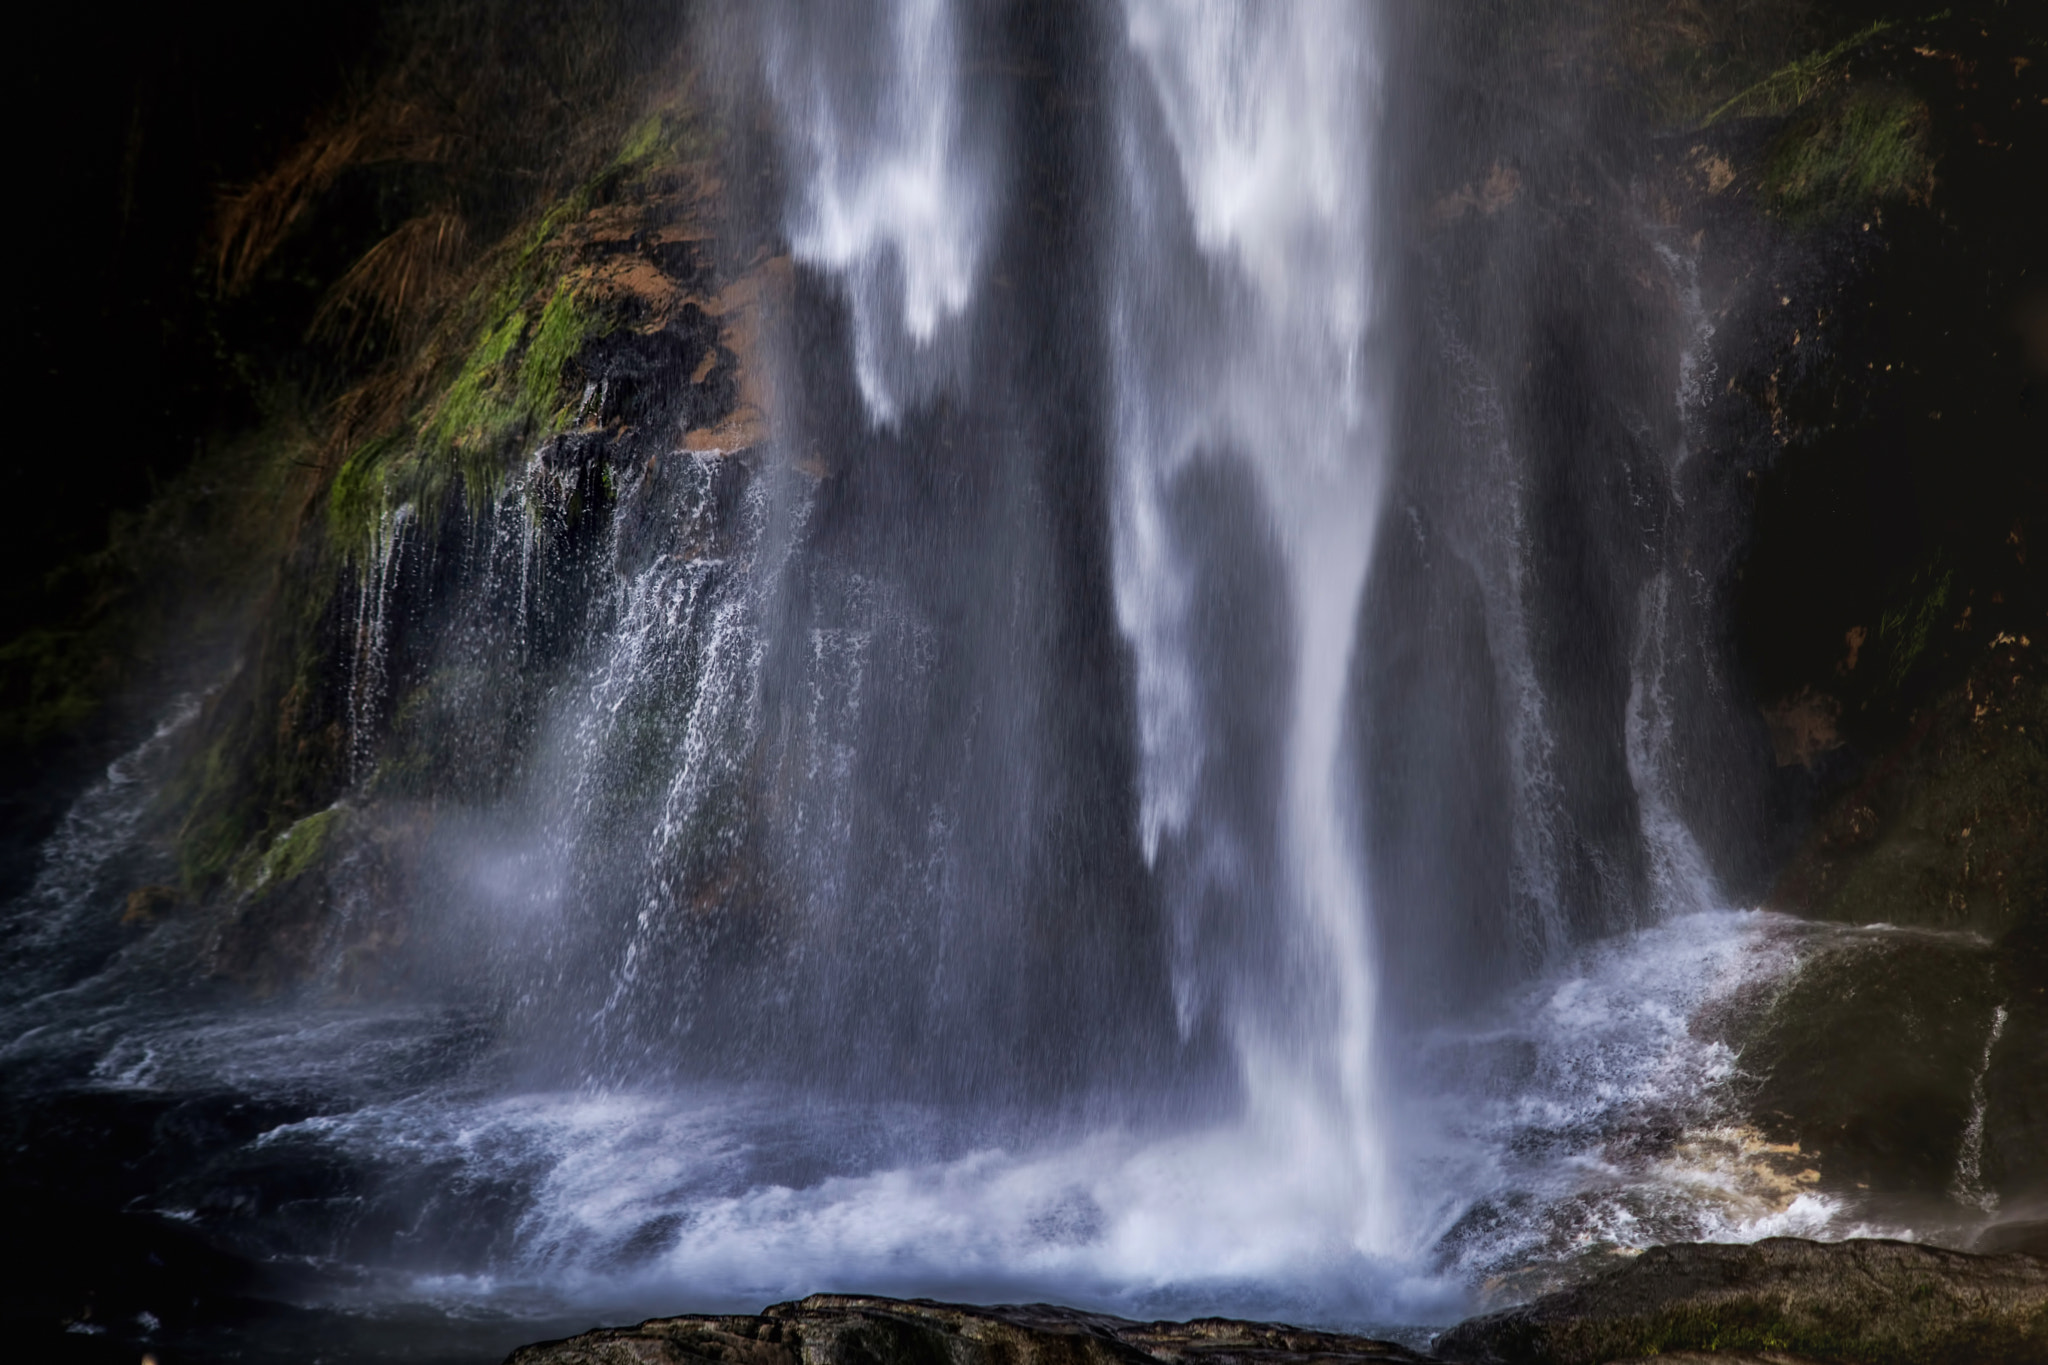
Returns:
<point x="688" y="1200"/>
<point x="1591" y="1112"/>
<point x="1597" y="1111"/>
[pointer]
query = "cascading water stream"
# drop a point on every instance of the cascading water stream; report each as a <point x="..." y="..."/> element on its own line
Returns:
<point x="1269" y="115"/>
<point x="893" y="200"/>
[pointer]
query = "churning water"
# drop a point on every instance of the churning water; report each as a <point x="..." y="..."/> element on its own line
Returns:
<point x="1122" y="833"/>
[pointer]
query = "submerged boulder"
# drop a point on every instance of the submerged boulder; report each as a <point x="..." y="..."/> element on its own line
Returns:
<point x="1871" y="1302"/>
<point x="836" y="1329"/>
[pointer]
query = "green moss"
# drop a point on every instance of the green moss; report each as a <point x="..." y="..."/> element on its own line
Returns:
<point x="1869" y="144"/>
<point x="1907" y="625"/>
<point x="357" y="498"/>
<point x="290" y="855"/>
<point x="566" y="326"/>
<point x="650" y="138"/>
<point x="665" y="137"/>
<point x="481" y="406"/>
<point x="511" y="389"/>
<point x="1792" y="85"/>
<point x="506" y="353"/>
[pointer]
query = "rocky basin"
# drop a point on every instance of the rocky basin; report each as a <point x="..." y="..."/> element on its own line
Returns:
<point x="1782" y="1301"/>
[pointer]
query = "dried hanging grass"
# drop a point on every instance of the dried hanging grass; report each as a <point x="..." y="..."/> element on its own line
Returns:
<point x="489" y="110"/>
<point x="396" y="283"/>
<point x="378" y="405"/>
<point x="255" y="220"/>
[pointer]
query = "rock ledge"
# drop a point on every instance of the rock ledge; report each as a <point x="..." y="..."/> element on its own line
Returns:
<point x="1869" y="1302"/>
<point x="1779" y="1302"/>
<point x="837" y="1329"/>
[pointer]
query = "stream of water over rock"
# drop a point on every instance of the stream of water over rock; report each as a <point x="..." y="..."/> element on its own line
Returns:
<point x="1165" y="788"/>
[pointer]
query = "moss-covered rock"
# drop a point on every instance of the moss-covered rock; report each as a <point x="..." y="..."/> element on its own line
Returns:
<point x="293" y="853"/>
<point x="545" y="336"/>
<point x="836" y="1329"/>
<point x="1914" y="1056"/>
<point x="1870" y="1058"/>
<point x="612" y="326"/>
<point x="1948" y="830"/>
<point x="1868" y="1302"/>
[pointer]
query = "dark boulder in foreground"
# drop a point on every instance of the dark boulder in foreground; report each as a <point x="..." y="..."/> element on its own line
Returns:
<point x="838" y="1329"/>
<point x="1870" y="1302"/>
<point x="1782" y="1301"/>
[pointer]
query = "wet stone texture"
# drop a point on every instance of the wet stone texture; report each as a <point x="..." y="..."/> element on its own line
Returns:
<point x="1872" y="1302"/>
<point x="1782" y="1300"/>
<point x="832" y="1329"/>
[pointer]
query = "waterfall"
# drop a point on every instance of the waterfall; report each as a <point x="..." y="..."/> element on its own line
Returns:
<point x="1246" y="362"/>
<point x="893" y="197"/>
<point x="1238" y="300"/>
<point x="1162" y="781"/>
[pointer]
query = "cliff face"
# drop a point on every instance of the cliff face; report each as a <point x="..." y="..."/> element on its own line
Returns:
<point x="1887" y="609"/>
<point x="605" y="350"/>
<point x="1812" y="229"/>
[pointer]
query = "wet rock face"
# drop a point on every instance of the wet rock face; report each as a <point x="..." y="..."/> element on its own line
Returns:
<point x="1872" y="1058"/>
<point x="833" y="1329"/>
<point x="1783" y="1300"/>
<point x="1872" y="1302"/>
<point x="1912" y="1059"/>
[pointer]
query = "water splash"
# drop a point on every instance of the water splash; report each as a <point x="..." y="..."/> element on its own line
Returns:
<point x="1594" y="1112"/>
<point x="1968" y="1186"/>
<point x="1589" y="1112"/>
<point x="77" y="876"/>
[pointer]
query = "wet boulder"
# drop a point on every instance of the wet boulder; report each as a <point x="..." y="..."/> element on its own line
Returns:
<point x="1872" y="1058"/>
<point x="1871" y="1302"/>
<point x="834" y="1329"/>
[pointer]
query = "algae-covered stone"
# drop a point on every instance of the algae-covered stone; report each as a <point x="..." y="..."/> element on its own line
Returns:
<point x="833" y="1329"/>
<point x="1914" y="1056"/>
<point x="1867" y="1057"/>
<point x="1871" y="1302"/>
<point x="1947" y="829"/>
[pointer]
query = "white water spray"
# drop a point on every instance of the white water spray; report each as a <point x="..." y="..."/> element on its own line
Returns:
<point x="1968" y="1185"/>
<point x="1270" y="112"/>
<point x="892" y="199"/>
